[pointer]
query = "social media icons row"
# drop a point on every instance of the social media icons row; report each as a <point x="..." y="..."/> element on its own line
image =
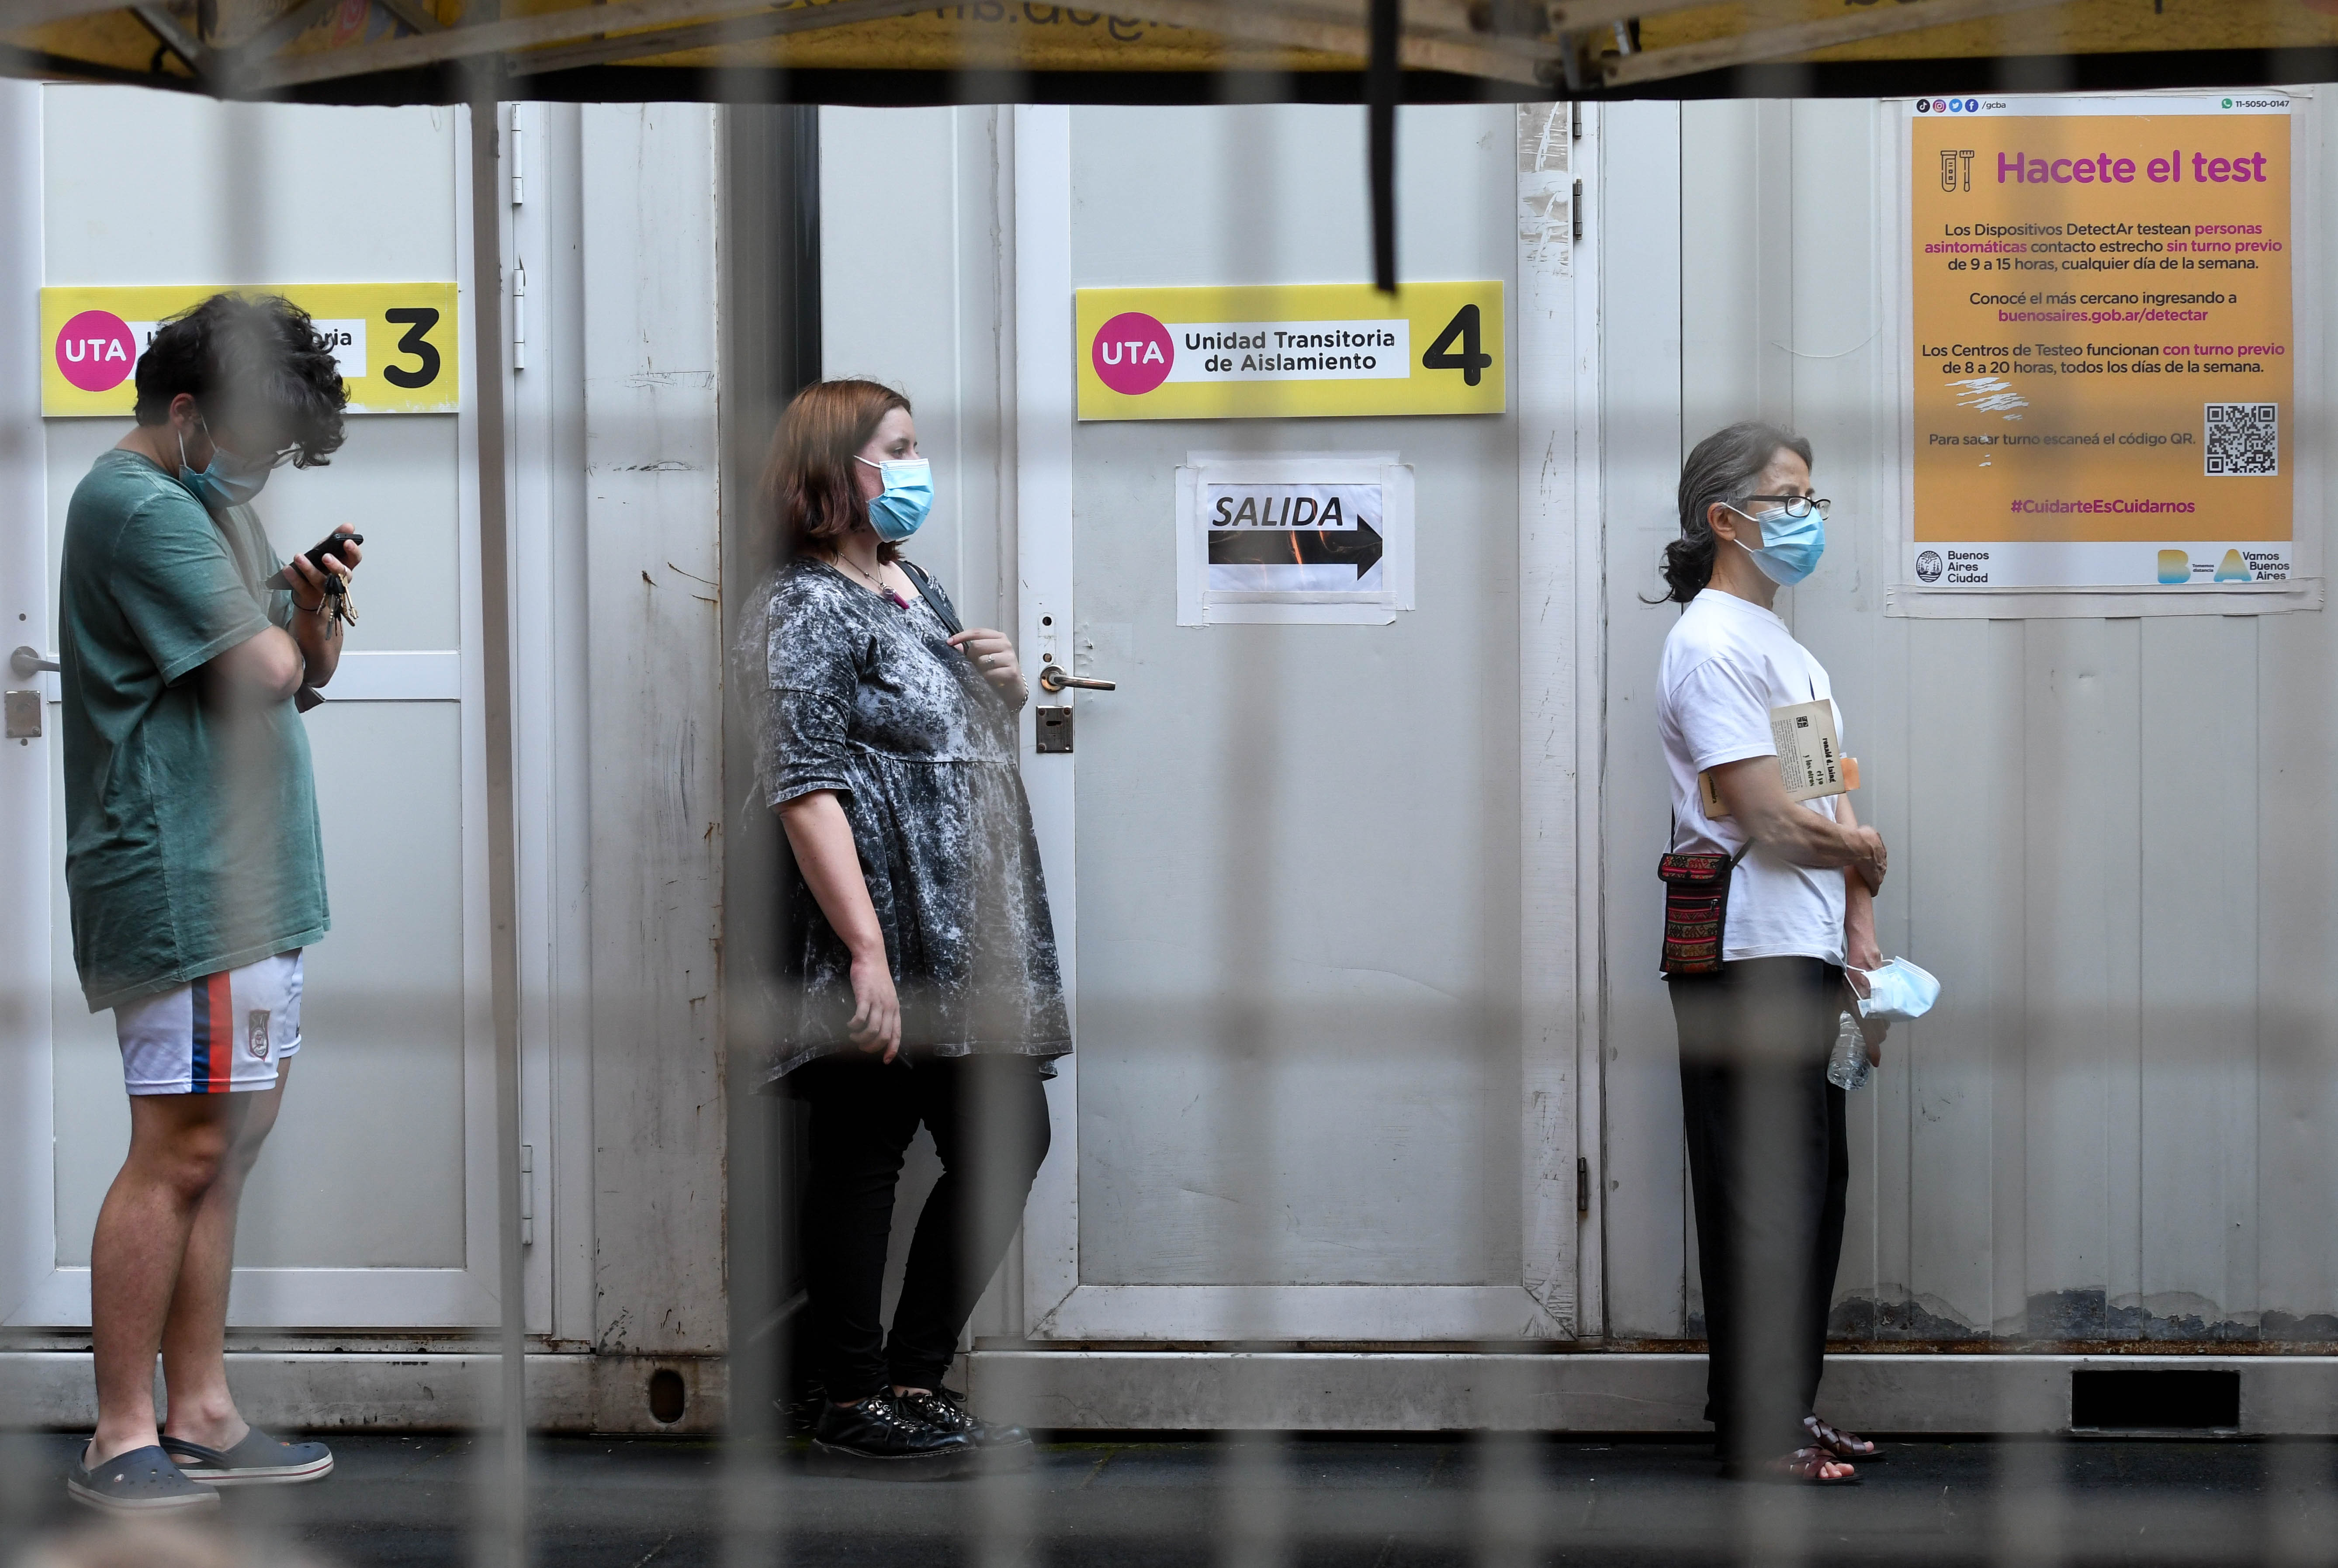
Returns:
<point x="1947" y="106"/>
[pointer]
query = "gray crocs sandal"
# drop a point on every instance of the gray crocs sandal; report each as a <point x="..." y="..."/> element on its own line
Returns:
<point x="137" y="1481"/>
<point x="259" y="1460"/>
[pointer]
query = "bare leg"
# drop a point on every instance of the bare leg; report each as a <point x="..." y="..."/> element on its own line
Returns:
<point x="194" y="1337"/>
<point x="178" y="1145"/>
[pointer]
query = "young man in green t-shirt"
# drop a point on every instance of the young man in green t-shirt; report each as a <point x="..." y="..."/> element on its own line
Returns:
<point x="192" y="858"/>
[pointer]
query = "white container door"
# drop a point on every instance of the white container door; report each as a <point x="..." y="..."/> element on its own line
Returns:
<point x="1315" y="1098"/>
<point x="373" y="1205"/>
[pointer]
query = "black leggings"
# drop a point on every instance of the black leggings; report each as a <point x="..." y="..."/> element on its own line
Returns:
<point x="988" y="1116"/>
<point x="1769" y="1169"/>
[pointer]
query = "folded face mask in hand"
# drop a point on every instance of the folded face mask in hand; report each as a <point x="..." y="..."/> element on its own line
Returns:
<point x="1897" y="991"/>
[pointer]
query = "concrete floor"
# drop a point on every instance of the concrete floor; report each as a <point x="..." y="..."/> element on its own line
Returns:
<point x="1383" y="1502"/>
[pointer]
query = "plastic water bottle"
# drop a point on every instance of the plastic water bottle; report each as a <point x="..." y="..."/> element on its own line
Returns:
<point x="1848" y="1067"/>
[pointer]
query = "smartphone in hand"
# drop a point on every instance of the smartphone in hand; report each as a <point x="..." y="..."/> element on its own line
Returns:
<point x="327" y="546"/>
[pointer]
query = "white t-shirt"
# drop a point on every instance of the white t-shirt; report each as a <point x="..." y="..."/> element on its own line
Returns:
<point x="1727" y="663"/>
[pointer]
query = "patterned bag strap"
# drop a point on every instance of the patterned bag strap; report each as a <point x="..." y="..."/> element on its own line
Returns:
<point x="1742" y="849"/>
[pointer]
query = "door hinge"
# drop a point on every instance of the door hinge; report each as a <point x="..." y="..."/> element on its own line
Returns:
<point x="1582" y="1184"/>
<point x="1577" y="209"/>
<point x="519" y="167"/>
<point x="528" y="1194"/>
<point x="519" y="314"/>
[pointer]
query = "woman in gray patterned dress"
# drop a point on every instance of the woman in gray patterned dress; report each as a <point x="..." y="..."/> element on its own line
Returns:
<point x="924" y="984"/>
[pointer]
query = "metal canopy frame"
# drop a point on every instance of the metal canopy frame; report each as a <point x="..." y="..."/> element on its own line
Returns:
<point x="441" y="51"/>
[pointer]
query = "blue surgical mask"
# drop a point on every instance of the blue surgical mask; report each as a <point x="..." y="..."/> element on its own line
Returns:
<point x="1790" y="547"/>
<point x="228" y="481"/>
<point x="909" y="497"/>
<point x="1898" y="990"/>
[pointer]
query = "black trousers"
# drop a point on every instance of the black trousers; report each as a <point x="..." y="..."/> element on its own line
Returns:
<point x="988" y="1117"/>
<point x="1769" y="1169"/>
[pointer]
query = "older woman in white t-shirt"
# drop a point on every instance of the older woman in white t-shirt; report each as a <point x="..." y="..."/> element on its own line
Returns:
<point x="1769" y="1166"/>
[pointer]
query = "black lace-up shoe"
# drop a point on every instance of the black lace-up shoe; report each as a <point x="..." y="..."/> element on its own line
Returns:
<point x="881" y="1438"/>
<point x="1002" y="1447"/>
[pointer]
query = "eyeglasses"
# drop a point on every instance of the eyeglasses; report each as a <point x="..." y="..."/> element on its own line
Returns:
<point x="276" y="460"/>
<point x="1797" y="506"/>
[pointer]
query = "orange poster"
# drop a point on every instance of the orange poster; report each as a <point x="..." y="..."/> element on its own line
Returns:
<point x="2103" y="348"/>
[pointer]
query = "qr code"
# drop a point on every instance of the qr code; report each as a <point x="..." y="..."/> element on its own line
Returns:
<point x="2244" y="437"/>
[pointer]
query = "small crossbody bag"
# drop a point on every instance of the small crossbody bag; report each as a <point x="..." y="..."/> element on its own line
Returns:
<point x="1696" y="908"/>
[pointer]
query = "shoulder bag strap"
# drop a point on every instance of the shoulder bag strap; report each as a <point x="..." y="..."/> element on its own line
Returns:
<point x="933" y="595"/>
<point x="1742" y="850"/>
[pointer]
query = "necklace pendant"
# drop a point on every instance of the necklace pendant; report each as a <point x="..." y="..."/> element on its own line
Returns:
<point x="898" y="603"/>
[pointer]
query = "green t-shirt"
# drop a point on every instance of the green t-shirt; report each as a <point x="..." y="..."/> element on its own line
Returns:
<point x="192" y="843"/>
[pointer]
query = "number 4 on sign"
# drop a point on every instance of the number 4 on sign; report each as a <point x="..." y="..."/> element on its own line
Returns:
<point x="1471" y="361"/>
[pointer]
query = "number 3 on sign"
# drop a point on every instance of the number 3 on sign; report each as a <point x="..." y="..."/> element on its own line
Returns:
<point x="1472" y="360"/>
<point x="417" y="320"/>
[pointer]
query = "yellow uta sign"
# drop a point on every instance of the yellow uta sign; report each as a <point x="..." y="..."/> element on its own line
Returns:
<point x="396" y="342"/>
<point x="1312" y="350"/>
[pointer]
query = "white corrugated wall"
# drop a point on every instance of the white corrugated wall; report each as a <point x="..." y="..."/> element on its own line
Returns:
<point x="2111" y="837"/>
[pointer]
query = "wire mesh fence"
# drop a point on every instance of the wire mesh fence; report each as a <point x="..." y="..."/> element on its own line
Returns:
<point x="1369" y="1231"/>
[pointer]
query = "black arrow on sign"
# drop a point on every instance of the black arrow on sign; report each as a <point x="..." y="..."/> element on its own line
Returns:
<point x="1359" y="548"/>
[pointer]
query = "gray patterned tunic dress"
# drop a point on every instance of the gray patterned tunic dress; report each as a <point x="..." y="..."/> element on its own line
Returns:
<point x="870" y="699"/>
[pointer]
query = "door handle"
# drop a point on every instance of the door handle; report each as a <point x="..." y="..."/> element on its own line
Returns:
<point x="1055" y="678"/>
<point x="26" y="661"/>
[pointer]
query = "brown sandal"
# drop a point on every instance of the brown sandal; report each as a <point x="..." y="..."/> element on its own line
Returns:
<point x="1801" y="1467"/>
<point x="1839" y="1444"/>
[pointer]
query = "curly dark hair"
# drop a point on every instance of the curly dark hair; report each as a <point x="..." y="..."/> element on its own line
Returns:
<point x="808" y="480"/>
<point x="1724" y="467"/>
<point x="250" y="360"/>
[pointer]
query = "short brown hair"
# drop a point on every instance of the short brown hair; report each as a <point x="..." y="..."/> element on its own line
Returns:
<point x="808" y="480"/>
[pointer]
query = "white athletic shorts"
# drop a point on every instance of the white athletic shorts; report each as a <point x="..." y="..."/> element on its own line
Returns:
<point x="222" y="1035"/>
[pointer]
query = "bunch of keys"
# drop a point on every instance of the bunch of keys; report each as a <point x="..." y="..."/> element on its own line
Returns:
<point x="338" y="606"/>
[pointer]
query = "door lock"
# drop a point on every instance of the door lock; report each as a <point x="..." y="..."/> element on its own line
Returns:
<point x="23" y="708"/>
<point x="1054" y="724"/>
